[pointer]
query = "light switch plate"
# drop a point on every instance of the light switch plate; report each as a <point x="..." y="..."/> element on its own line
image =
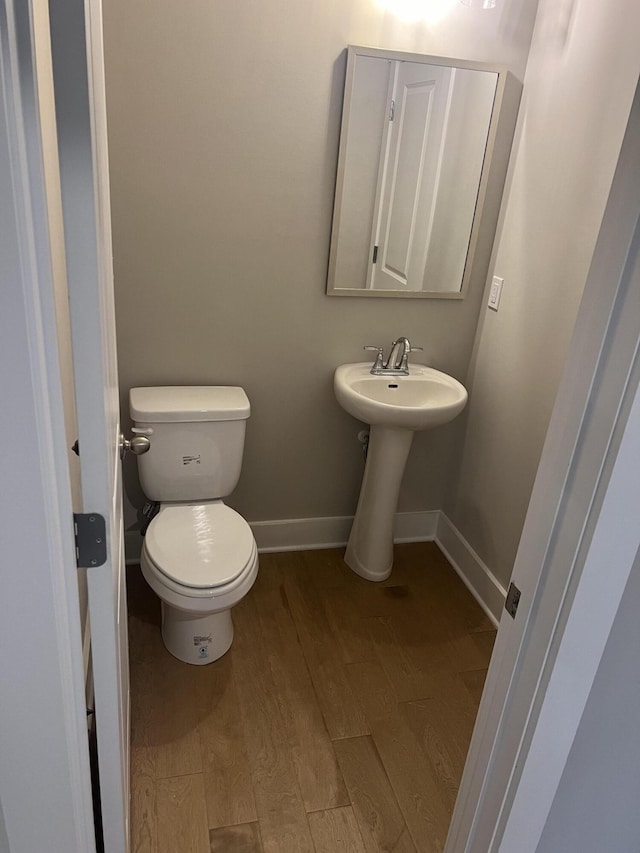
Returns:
<point x="495" y="292"/>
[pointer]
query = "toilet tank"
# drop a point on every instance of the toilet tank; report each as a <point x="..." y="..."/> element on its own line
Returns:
<point x="197" y="440"/>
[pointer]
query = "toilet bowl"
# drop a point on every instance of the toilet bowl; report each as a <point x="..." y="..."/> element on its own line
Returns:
<point x="199" y="556"/>
<point x="200" y="560"/>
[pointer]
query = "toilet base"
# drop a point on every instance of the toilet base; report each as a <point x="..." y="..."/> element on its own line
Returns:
<point x="196" y="639"/>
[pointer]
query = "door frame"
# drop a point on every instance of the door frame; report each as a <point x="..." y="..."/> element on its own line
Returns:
<point x="576" y="552"/>
<point x="80" y="108"/>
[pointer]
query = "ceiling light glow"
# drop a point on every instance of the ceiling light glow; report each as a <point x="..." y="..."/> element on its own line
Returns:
<point x="414" y="11"/>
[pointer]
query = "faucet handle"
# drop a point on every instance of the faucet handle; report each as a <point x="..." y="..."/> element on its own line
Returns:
<point x="378" y="363"/>
<point x="404" y="363"/>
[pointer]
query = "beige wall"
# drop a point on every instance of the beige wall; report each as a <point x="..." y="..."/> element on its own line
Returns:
<point x="580" y="80"/>
<point x="223" y="131"/>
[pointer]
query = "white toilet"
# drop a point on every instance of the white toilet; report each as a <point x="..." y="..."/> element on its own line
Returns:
<point x="199" y="556"/>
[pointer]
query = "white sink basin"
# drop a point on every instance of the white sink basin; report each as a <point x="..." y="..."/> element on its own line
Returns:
<point x="426" y="398"/>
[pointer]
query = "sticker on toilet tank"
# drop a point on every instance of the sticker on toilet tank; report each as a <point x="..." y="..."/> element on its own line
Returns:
<point x="191" y="459"/>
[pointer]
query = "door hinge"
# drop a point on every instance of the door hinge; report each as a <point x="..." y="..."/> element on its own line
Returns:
<point x="513" y="599"/>
<point x="375" y="255"/>
<point x="392" y="110"/>
<point x="91" y="539"/>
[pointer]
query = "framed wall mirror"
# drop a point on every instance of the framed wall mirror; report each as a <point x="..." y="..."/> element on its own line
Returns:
<point x="417" y="144"/>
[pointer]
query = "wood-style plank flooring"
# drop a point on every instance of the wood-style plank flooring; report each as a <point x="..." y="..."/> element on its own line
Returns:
<point x="339" y="720"/>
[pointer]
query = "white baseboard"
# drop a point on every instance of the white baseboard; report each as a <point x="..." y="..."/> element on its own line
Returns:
<point x="485" y="588"/>
<point x="307" y="534"/>
<point x="416" y="526"/>
<point x="301" y="534"/>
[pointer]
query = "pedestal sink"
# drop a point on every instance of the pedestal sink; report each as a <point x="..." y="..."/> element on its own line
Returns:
<point x="394" y="407"/>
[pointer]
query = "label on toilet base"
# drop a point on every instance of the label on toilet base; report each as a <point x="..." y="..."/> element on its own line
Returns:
<point x="203" y="645"/>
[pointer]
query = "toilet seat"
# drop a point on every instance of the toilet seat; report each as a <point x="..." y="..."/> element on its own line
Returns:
<point x="200" y="546"/>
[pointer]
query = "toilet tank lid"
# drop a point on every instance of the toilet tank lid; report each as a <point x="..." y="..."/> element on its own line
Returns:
<point x="188" y="403"/>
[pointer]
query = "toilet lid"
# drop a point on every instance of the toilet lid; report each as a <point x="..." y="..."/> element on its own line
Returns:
<point x="200" y="545"/>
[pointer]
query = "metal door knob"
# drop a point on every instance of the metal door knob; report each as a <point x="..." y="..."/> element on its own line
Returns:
<point x="138" y="445"/>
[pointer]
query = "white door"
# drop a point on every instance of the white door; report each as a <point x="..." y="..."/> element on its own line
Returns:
<point x="45" y="782"/>
<point x="411" y="155"/>
<point x="78" y="74"/>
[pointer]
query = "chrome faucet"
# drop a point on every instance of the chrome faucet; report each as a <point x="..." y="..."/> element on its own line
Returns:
<point x="398" y="362"/>
<point x="399" y="355"/>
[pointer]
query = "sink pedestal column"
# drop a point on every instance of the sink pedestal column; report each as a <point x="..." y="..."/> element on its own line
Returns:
<point x="370" y="548"/>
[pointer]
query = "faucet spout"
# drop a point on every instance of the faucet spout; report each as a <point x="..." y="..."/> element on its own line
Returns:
<point x="399" y="355"/>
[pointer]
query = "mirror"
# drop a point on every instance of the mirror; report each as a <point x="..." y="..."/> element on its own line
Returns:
<point x="418" y="134"/>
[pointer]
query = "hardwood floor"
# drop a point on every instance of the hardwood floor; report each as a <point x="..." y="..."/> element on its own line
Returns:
<point x="339" y="720"/>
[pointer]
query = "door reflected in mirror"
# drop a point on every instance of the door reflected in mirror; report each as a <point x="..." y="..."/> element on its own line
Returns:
<point x="416" y="142"/>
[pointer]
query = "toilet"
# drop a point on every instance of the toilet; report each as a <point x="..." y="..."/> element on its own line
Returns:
<point x="199" y="556"/>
